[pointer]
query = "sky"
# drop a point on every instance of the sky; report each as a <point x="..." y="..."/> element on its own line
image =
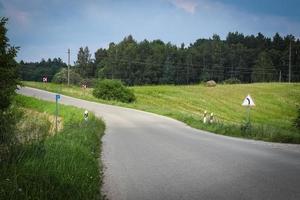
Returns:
<point x="47" y="28"/>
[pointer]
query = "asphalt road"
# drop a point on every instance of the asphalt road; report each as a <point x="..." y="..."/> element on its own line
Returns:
<point x="147" y="156"/>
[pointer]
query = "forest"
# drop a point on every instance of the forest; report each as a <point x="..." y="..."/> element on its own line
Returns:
<point x="238" y="58"/>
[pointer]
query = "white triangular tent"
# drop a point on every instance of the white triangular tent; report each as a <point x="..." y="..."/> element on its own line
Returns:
<point x="248" y="101"/>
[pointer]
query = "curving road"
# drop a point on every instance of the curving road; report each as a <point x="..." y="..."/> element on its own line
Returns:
<point x="147" y="156"/>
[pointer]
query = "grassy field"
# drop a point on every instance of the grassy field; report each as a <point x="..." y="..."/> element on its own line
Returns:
<point x="62" y="165"/>
<point x="272" y="117"/>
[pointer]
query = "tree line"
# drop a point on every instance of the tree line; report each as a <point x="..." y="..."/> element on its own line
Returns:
<point x="244" y="58"/>
<point x="35" y="71"/>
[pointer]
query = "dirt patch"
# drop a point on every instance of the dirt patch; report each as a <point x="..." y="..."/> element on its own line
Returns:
<point x="36" y="126"/>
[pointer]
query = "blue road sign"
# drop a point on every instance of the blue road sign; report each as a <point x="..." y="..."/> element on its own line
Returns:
<point x="57" y="97"/>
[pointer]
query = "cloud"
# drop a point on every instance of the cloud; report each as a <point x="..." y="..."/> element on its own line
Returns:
<point x="15" y="14"/>
<point x="187" y="5"/>
<point x="47" y="30"/>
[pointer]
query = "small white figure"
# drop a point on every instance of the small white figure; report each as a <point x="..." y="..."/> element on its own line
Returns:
<point x="211" y="118"/>
<point x="86" y="115"/>
<point x="205" y="117"/>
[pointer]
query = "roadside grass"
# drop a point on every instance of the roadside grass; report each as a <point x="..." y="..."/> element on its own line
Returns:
<point x="65" y="165"/>
<point x="271" y="119"/>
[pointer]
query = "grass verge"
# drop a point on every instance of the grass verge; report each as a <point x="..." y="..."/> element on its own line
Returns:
<point x="272" y="117"/>
<point x="65" y="165"/>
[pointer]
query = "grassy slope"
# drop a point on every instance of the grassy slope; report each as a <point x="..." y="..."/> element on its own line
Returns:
<point x="64" y="166"/>
<point x="276" y="103"/>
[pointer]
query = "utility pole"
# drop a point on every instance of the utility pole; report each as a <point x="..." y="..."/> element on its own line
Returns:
<point x="290" y="60"/>
<point x="68" y="67"/>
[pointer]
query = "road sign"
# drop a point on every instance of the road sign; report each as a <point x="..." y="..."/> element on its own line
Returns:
<point x="248" y="101"/>
<point x="45" y="79"/>
<point x="57" y="97"/>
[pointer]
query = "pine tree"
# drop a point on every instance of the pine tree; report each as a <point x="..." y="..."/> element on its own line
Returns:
<point x="84" y="62"/>
<point x="263" y="70"/>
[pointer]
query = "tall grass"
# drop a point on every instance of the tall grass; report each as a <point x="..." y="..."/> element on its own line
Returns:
<point x="272" y="118"/>
<point x="63" y="166"/>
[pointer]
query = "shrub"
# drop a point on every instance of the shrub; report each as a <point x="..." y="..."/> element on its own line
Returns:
<point x="8" y="69"/>
<point x="8" y="131"/>
<point x="62" y="77"/>
<point x="232" y="81"/>
<point x="113" y="90"/>
<point x="89" y="82"/>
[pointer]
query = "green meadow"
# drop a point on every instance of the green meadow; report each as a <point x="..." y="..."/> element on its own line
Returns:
<point x="271" y="119"/>
<point x="45" y="164"/>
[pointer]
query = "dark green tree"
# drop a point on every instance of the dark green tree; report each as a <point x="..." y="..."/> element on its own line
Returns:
<point x="100" y="55"/>
<point x="35" y="71"/>
<point x="84" y="63"/>
<point x="8" y="68"/>
<point x="168" y="75"/>
<point x="263" y="70"/>
<point x="156" y="62"/>
<point x="8" y="85"/>
<point x="62" y="77"/>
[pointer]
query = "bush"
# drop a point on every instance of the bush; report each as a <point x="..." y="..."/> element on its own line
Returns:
<point x="89" y="82"/>
<point x="113" y="90"/>
<point x="62" y="77"/>
<point x="232" y="81"/>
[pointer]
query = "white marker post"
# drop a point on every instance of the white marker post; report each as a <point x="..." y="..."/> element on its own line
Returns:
<point x="86" y="115"/>
<point x="205" y="117"/>
<point x="57" y="97"/>
<point x="248" y="102"/>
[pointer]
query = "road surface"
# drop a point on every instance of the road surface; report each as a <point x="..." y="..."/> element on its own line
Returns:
<point x="147" y="156"/>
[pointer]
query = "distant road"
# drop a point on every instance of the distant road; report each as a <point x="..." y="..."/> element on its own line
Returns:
<point x="147" y="156"/>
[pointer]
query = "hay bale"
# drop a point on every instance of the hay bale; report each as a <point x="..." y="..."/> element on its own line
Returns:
<point x="210" y="83"/>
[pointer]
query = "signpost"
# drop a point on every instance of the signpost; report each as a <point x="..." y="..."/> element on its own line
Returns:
<point x="57" y="97"/>
<point x="248" y="102"/>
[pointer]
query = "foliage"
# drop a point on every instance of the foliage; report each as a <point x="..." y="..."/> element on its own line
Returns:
<point x="232" y="81"/>
<point x="64" y="166"/>
<point x="297" y="120"/>
<point x="248" y="58"/>
<point x="8" y="69"/>
<point x="113" y="90"/>
<point x="263" y="69"/>
<point x="271" y="118"/>
<point x="9" y="115"/>
<point x="89" y="82"/>
<point x="84" y="65"/>
<point x="62" y="77"/>
<point x="35" y="71"/>
<point x="8" y="138"/>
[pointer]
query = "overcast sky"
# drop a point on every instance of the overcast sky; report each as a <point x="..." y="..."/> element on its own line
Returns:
<point x="47" y="28"/>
